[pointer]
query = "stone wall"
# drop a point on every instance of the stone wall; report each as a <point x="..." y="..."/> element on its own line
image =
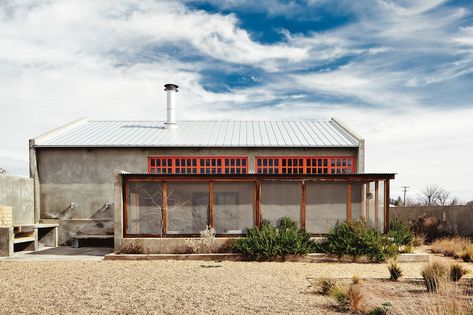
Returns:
<point x="17" y="192"/>
<point x="455" y="220"/>
<point x="6" y="218"/>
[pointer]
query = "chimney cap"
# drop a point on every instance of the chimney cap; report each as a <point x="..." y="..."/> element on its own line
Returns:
<point x="170" y="87"/>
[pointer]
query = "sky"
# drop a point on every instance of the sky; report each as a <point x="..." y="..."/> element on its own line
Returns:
<point x="400" y="73"/>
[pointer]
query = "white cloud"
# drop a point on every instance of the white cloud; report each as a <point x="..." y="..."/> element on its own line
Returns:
<point x="108" y="60"/>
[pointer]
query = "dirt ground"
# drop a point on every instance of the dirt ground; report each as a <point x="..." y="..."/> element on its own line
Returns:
<point x="173" y="287"/>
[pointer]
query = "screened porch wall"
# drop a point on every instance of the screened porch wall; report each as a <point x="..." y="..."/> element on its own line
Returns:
<point x="173" y="208"/>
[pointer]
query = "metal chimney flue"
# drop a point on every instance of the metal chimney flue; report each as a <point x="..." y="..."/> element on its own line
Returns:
<point x="171" y="90"/>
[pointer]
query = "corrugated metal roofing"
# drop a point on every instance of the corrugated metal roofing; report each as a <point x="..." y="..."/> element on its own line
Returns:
<point x="201" y="134"/>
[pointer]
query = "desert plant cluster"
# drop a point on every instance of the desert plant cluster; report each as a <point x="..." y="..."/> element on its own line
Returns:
<point x="358" y="239"/>
<point x="441" y="280"/>
<point x="456" y="247"/>
<point x="204" y="243"/>
<point x="267" y="241"/>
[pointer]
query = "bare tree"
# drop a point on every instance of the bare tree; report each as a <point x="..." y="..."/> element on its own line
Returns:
<point x="434" y="195"/>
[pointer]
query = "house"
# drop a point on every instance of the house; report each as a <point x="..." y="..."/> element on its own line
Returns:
<point x="159" y="182"/>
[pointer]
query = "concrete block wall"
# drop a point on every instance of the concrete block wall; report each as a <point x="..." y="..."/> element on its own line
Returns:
<point x="18" y="193"/>
<point x="6" y="218"/>
<point x="454" y="220"/>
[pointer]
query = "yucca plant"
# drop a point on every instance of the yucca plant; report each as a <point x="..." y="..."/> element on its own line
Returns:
<point x="395" y="270"/>
<point x="457" y="271"/>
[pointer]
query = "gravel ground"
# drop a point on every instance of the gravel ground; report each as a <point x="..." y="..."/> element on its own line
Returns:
<point x="172" y="287"/>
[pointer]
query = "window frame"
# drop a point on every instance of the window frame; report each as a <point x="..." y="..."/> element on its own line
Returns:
<point x="305" y="165"/>
<point x="199" y="165"/>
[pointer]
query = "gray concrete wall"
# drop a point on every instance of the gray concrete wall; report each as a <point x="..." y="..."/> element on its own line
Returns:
<point x="17" y="192"/>
<point x="84" y="177"/>
<point x="453" y="219"/>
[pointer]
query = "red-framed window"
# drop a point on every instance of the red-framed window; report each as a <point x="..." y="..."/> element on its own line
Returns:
<point x="305" y="165"/>
<point x="198" y="165"/>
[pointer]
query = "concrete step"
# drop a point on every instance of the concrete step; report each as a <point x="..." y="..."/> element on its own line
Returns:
<point x="25" y="239"/>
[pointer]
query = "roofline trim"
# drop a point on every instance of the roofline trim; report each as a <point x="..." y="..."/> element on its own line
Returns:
<point x="346" y="129"/>
<point x="59" y="130"/>
<point x="103" y="146"/>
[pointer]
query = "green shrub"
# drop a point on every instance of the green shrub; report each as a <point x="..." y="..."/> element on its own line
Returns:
<point x="400" y="233"/>
<point x="457" y="271"/>
<point x="357" y="239"/>
<point x="265" y="242"/>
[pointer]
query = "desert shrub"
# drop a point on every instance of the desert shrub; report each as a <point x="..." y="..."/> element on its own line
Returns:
<point x="467" y="254"/>
<point x="265" y="242"/>
<point x="203" y="244"/>
<point x="395" y="270"/>
<point x="348" y="298"/>
<point x="457" y="271"/>
<point x="434" y="274"/>
<point x="452" y="247"/>
<point x="357" y="239"/>
<point x="356" y="279"/>
<point x="429" y="226"/>
<point x="400" y="233"/>
<point x="419" y="239"/>
<point x="325" y="285"/>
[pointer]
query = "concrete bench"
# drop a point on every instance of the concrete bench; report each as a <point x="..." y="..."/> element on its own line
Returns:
<point x="91" y="240"/>
<point x="29" y="237"/>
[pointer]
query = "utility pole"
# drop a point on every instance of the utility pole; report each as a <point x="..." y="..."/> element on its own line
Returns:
<point x="404" y="189"/>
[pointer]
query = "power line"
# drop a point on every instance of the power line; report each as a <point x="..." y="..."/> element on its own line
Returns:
<point x="404" y="189"/>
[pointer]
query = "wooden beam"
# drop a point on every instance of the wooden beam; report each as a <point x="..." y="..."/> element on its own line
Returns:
<point x="303" y="205"/>
<point x="164" y="222"/>
<point x="125" y="209"/>
<point x="349" y="202"/>
<point x="211" y="204"/>
<point x="258" y="203"/>
<point x="376" y="204"/>
<point x="367" y="203"/>
<point x="386" y="205"/>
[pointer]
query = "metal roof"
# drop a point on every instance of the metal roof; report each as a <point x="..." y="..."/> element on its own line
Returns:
<point x="305" y="133"/>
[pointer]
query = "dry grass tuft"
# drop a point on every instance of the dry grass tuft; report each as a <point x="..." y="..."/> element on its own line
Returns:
<point x="348" y="298"/>
<point x="325" y="285"/>
<point x="457" y="271"/>
<point x="419" y="240"/>
<point x="451" y="247"/>
<point x="356" y="279"/>
<point x="395" y="270"/>
<point x="132" y="248"/>
<point x="434" y="274"/>
<point x="467" y="254"/>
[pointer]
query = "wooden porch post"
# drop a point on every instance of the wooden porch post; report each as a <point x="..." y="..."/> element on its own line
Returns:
<point x="386" y="205"/>
<point x="211" y="203"/>
<point x="303" y="204"/>
<point x="164" y="222"/>
<point x="349" y="201"/>
<point x="376" y="204"/>
<point x="367" y="203"/>
<point x="257" y="211"/>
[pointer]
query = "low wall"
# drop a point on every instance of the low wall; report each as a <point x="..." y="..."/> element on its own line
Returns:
<point x="455" y="220"/>
<point x="17" y="192"/>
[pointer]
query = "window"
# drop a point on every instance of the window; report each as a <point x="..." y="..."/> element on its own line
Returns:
<point x="198" y="165"/>
<point x="145" y="200"/>
<point x="305" y="165"/>
<point x="233" y="207"/>
<point x="281" y="199"/>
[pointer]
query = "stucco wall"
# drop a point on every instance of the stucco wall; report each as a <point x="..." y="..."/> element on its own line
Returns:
<point x="84" y="177"/>
<point x="17" y="192"/>
<point x="454" y="219"/>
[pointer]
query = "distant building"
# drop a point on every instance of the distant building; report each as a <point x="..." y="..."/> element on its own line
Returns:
<point x="160" y="181"/>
